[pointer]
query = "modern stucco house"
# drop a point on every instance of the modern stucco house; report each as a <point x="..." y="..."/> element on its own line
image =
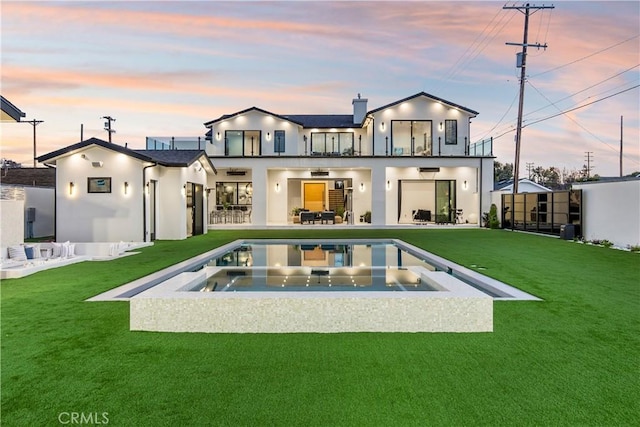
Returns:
<point x="106" y="192"/>
<point x="392" y="160"/>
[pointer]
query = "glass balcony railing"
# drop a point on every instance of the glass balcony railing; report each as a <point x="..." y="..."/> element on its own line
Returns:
<point x="482" y="148"/>
<point x="175" y="143"/>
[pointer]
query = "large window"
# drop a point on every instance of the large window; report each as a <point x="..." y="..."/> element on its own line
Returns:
<point x="242" y="143"/>
<point x="278" y="141"/>
<point x="234" y="193"/>
<point x="411" y="137"/>
<point x="450" y="132"/>
<point x="332" y="143"/>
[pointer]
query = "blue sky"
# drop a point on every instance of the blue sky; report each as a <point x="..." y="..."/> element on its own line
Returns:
<point x="164" y="68"/>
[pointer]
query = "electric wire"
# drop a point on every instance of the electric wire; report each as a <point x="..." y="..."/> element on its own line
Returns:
<point x="569" y="110"/>
<point x="501" y="132"/>
<point x="481" y="46"/>
<point x="586" y="57"/>
<point x="576" y="122"/>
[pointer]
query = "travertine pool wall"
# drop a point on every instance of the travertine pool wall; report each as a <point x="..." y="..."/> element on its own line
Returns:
<point x="170" y="308"/>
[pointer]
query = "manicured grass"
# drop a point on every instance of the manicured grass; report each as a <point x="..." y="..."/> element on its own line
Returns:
<point x="569" y="360"/>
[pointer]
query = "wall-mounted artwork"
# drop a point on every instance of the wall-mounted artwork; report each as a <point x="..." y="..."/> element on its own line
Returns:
<point x="99" y="185"/>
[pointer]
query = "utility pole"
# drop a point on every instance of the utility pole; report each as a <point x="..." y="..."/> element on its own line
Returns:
<point x="523" y="64"/>
<point x="529" y="168"/>
<point x="34" y="123"/>
<point x="588" y="157"/>
<point x="621" y="146"/>
<point x="107" y="125"/>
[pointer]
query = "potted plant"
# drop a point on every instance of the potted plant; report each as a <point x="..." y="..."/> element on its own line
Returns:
<point x="295" y="215"/>
<point x="367" y="217"/>
<point x="339" y="215"/>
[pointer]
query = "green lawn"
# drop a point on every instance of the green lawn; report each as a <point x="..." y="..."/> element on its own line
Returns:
<point x="572" y="359"/>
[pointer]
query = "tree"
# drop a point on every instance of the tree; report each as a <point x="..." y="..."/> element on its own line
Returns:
<point x="502" y="172"/>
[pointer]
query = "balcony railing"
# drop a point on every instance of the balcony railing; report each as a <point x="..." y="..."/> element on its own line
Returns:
<point x="175" y="143"/>
<point x="426" y="148"/>
<point x="482" y="148"/>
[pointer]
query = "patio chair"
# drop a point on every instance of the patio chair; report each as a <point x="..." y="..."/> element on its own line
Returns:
<point x="327" y="216"/>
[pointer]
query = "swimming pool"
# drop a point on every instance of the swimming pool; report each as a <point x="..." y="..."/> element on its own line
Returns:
<point x="318" y="286"/>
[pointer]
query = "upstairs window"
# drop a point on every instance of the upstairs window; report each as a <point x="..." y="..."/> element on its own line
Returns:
<point x="278" y="141"/>
<point x="450" y="132"/>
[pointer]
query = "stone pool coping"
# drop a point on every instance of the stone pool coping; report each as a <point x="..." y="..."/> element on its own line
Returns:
<point x="172" y="307"/>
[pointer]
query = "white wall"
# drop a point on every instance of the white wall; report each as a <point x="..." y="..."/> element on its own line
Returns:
<point x="96" y="217"/>
<point x="11" y="223"/>
<point x="611" y="211"/>
<point x="43" y="200"/>
<point x="422" y="108"/>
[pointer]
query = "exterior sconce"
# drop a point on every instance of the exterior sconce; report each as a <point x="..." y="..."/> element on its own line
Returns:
<point x="388" y="185"/>
<point x="184" y="189"/>
<point x="218" y="136"/>
<point x="465" y="185"/>
<point x="361" y="186"/>
<point x="146" y="186"/>
<point x="126" y="187"/>
<point x="440" y="127"/>
<point x="382" y="126"/>
<point x="71" y="186"/>
<point x="277" y="187"/>
<point x="268" y="136"/>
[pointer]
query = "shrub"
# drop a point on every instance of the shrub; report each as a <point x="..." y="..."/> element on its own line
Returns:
<point x="634" y="248"/>
<point x="494" y="222"/>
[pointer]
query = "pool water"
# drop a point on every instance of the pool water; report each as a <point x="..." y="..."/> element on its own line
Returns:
<point x="367" y="266"/>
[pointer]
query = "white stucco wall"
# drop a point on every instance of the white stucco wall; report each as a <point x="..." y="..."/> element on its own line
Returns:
<point x="422" y="108"/>
<point x="11" y="224"/>
<point x="43" y="200"/>
<point x="611" y="211"/>
<point x="171" y="212"/>
<point x="96" y="217"/>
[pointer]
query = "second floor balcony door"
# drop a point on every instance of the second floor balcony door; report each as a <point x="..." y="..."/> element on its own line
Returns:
<point x="242" y="143"/>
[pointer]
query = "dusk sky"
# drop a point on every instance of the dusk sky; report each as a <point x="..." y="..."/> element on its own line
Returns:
<point x="163" y="68"/>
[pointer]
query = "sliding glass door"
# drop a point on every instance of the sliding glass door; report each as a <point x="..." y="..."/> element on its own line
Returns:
<point x="445" y="201"/>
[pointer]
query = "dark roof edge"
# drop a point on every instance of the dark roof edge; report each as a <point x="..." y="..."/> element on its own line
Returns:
<point x="228" y="116"/>
<point x="11" y="109"/>
<point x="444" y="101"/>
<point x="92" y="141"/>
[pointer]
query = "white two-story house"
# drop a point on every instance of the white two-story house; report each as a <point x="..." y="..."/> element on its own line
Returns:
<point x="385" y="164"/>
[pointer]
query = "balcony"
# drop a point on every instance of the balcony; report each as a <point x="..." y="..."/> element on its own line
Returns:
<point x="175" y="143"/>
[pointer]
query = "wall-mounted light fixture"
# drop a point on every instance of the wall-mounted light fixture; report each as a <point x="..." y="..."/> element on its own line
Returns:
<point x="362" y="186"/>
<point x="126" y="187"/>
<point x="388" y="185"/>
<point x="71" y="186"/>
<point x="277" y="187"/>
<point x="146" y="186"/>
<point x="382" y="126"/>
<point x="465" y="185"/>
<point x="441" y="127"/>
<point x="218" y="136"/>
<point x="184" y="190"/>
<point x="268" y="136"/>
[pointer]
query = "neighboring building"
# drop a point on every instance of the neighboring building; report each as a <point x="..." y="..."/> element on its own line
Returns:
<point x="9" y="112"/>
<point x="412" y="154"/>
<point x="525" y="185"/>
<point x="106" y="192"/>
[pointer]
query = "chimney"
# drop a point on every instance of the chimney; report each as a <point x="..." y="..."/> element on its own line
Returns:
<point x="359" y="109"/>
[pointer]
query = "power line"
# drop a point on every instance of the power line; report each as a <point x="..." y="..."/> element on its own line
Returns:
<point x="586" y="57"/>
<point x="477" y="50"/>
<point x="581" y="106"/>
<point x="569" y="96"/>
<point x="571" y="118"/>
